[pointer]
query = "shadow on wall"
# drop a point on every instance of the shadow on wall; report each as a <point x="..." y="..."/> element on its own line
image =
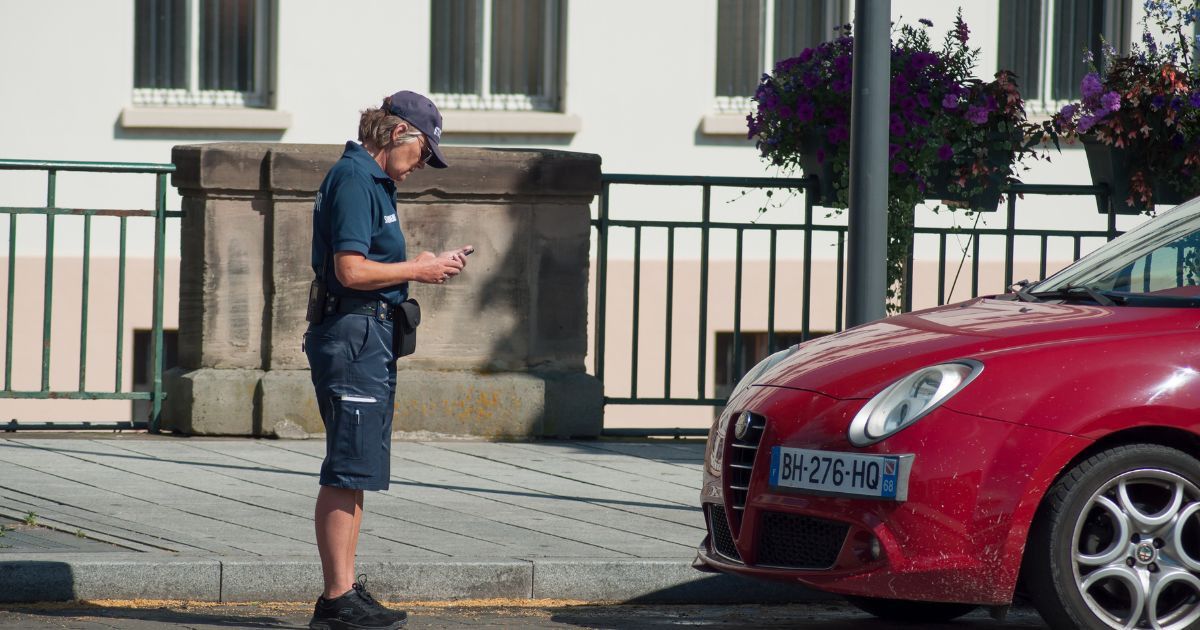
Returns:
<point x="517" y="320"/>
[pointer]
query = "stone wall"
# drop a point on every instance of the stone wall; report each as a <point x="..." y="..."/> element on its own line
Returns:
<point x="500" y="348"/>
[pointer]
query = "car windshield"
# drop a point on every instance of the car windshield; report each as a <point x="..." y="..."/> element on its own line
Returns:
<point x="1159" y="259"/>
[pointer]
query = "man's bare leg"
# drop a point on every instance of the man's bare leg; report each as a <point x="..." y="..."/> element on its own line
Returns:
<point x="338" y="514"/>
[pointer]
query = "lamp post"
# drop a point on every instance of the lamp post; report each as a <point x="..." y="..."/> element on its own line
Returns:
<point x="867" y="234"/>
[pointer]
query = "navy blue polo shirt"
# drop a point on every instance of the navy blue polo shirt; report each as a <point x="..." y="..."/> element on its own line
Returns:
<point x="356" y="211"/>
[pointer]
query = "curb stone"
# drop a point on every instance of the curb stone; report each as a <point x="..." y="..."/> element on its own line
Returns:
<point x="45" y="577"/>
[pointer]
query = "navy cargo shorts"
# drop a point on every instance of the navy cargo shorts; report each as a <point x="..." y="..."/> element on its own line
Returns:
<point x="354" y="374"/>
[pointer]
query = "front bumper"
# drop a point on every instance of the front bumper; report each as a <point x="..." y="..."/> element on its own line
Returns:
<point x="974" y="487"/>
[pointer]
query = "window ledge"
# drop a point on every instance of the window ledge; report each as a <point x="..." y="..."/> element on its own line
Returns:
<point x="724" y="125"/>
<point x="205" y="118"/>
<point x="456" y="122"/>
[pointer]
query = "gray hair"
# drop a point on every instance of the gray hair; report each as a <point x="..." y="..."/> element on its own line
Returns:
<point x="375" y="127"/>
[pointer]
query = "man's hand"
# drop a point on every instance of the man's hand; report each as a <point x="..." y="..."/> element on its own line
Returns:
<point x="459" y="254"/>
<point x="432" y="269"/>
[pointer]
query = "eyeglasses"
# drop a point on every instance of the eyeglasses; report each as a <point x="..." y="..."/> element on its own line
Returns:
<point x="426" y="151"/>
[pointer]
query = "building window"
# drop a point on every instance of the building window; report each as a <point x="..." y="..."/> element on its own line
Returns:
<point x="497" y="54"/>
<point x="143" y="365"/>
<point x="1044" y="42"/>
<point x="201" y="52"/>
<point x="752" y="35"/>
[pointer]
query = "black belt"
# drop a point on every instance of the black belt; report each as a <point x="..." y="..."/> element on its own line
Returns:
<point x="375" y="308"/>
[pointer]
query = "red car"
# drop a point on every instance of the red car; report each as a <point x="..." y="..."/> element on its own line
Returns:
<point x="1045" y="442"/>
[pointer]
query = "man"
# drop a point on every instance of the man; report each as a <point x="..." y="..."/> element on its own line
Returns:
<point x="358" y="253"/>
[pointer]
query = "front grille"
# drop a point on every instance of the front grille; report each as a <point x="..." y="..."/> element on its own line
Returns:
<point x="740" y="462"/>
<point x="799" y="542"/>
<point x="722" y="539"/>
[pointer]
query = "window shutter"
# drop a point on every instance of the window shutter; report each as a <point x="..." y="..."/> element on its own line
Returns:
<point x="739" y="46"/>
<point x="1020" y="44"/>
<point x="160" y="44"/>
<point x="457" y="32"/>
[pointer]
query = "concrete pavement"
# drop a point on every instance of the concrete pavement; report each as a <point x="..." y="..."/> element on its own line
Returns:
<point x="160" y="517"/>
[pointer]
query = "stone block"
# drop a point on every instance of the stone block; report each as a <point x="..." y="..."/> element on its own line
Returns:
<point x="505" y="404"/>
<point x="289" y="275"/>
<point x="222" y="284"/>
<point x="211" y="401"/>
<point x="288" y="405"/>
<point x="219" y="166"/>
<point x="475" y="321"/>
<point x="283" y="579"/>
<point x="108" y="577"/>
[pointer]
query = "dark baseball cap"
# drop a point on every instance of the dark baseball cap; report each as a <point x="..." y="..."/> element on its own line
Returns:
<point x="424" y="115"/>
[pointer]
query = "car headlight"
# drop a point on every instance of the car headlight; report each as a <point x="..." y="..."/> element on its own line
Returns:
<point x="760" y="369"/>
<point x="909" y="399"/>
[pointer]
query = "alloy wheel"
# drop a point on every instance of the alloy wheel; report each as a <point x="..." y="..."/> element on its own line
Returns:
<point x="1136" y="551"/>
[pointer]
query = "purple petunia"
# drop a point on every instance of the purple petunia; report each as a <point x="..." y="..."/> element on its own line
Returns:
<point x="1068" y="111"/>
<point x="1090" y="86"/>
<point x="923" y="100"/>
<point x="977" y="114"/>
<point x="1158" y="101"/>
<point x="837" y="135"/>
<point x="810" y="80"/>
<point x="900" y="167"/>
<point x="1111" y="101"/>
<point x="805" y="111"/>
<point x="893" y="149"/>
<point x="945" y="152"/>
<point x="806" y="55"/>
<point x="1195" y="99"/>
<point x="950" y="101"/>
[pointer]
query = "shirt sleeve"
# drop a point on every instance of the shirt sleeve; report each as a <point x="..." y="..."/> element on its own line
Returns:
<point x="350" y="216"/>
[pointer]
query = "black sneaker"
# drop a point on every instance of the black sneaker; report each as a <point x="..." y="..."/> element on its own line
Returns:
<point x="361" y="587"/>
<point x="352" y="611"/>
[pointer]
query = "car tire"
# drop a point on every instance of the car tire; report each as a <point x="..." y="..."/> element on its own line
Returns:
<point x="1118" y="537"/>
<point x="908" y="611"/>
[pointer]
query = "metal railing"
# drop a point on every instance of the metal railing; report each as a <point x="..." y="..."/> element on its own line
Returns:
<point x="51" y="211"/>
<point x="604" y="226"/>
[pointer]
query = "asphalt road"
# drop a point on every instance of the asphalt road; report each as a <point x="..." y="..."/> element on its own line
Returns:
<point x="544" y="614"/>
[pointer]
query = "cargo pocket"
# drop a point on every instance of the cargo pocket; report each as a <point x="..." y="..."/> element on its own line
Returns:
<point x="352" y="416"/>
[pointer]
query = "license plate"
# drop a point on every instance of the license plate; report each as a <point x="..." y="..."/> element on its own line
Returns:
<point x="842" y="474"/>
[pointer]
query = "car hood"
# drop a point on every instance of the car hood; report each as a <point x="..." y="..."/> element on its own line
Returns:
<point x="861" y="361"/>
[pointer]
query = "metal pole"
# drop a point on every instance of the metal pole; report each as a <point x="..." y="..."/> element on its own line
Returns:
<point x="867" y="247"/>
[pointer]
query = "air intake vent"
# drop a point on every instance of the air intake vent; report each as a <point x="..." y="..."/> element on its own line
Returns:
<point x="740" y="462"/>
<point x="722" y="539"/>
<point x="799" y="542"/>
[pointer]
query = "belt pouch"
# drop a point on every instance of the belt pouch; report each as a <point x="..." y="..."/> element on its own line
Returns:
<point x="404" y="328"/>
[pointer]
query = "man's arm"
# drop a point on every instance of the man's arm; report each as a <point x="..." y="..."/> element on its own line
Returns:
<point x="355" y="271"/>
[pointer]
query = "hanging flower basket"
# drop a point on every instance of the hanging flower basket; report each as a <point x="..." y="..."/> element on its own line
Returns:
<point x="1139" y="114"/>
<point x="1116" y="168"/>
<point x="814" y="161"/>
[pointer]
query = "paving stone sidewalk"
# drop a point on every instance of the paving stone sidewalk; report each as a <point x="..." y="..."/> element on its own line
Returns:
<point x="158" y="517"/>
